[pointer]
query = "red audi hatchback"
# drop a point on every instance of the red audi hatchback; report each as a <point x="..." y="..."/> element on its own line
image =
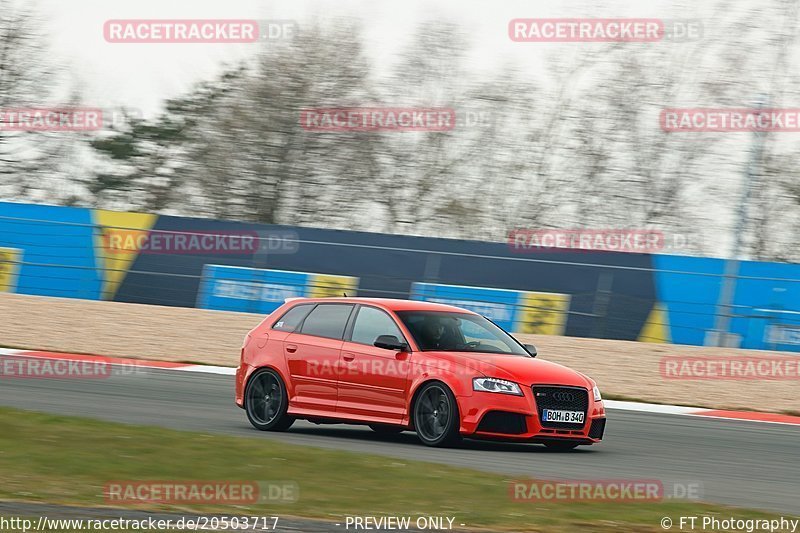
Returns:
<point x="400" y="365"/>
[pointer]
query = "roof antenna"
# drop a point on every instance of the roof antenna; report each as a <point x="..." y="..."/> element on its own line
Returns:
<point x="345" y="294"/>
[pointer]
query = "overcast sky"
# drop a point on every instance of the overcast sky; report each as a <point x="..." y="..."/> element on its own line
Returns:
<point x="142" y="75"/>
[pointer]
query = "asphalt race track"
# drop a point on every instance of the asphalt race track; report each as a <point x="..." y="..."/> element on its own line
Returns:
<point x="739" y="463"/>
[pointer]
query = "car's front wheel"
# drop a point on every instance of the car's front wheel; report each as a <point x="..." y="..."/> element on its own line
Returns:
<point x="436" y="418"/>
<point x="266" y="401"/>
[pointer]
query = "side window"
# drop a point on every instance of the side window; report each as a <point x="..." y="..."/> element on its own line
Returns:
<point x="327" y="320"/>
<point x="292" y="318"/>
<point x="372" y="323"/>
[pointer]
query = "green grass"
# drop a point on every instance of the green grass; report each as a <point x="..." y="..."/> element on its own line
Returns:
<point x="66" y="460"/>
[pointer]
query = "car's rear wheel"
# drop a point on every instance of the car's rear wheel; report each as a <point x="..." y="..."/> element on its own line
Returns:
<point x="386" y="429"/>
<point x="436" y="418"/>
<point x="266" y="402"/>
<point x="561" y="445"/>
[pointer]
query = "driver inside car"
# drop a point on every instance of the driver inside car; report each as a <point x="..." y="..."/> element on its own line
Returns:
<point x="433" y="332"/>
<point x="435" y="335"/>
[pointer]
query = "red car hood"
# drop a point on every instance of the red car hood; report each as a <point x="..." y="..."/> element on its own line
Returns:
<point x="522" y="370"/>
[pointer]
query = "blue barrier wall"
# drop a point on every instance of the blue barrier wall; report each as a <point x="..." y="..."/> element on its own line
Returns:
<point x="689" y="299"/>
<point x="64" y="251"/>
<point x="58" y="256"/>
<point x="689" y="288"/>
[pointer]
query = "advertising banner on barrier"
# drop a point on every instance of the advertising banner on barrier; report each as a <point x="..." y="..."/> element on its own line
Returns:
<point x="255" y="290"/>
<point x="782" y="334"/>
<point x="516" y="311"/>
<point x="10" y="259"/>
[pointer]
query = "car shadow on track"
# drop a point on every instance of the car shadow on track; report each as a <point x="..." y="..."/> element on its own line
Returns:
<point x="410" y="438"/>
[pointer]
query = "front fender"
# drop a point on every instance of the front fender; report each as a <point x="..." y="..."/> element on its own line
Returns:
<point x="458" y="378"/>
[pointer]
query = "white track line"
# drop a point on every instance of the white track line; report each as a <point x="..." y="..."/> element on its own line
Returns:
<point x="207" y="369"/>
<point x="653" y="408"/>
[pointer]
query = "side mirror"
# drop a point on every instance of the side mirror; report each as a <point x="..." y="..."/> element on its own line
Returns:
<point x="390" y="342"/>
<point x="531" y="349"/>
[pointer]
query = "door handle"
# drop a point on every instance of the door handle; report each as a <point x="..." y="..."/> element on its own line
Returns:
<point x="291" y="348"/>
<point x="347" y="356"/>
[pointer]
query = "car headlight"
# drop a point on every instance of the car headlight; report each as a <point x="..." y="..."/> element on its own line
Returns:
<point x="596" y="393"/>
<point x="496" y="385"/>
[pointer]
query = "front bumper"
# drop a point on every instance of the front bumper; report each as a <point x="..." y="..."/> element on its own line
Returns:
<point x="507" y="417"/>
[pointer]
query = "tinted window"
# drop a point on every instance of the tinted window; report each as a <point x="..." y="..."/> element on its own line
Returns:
<point x="292" y="318"/>
<point x="372" y="323"/>
<point x="327" y="320"/>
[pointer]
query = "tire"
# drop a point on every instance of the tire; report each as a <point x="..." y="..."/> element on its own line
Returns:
<point x="436" y="418"/>
<point x="561" y="445"/>
<point x="266" y="401"/>
<point x="387" y="429"/>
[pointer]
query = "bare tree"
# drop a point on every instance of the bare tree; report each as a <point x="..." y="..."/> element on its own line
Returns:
<point x="33" y="165"/>
<point x="582" y="148"/>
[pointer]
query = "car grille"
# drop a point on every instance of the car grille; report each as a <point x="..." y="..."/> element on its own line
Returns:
<point x="503" y="422"/>
<point x="561" y="399"/>
<point x="597" y="429"/>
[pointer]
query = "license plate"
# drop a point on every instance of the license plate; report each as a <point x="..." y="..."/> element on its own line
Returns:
<point x="566" y="417"/>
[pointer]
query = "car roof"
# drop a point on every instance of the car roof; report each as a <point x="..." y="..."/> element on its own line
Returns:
<point x="387" y="303"/>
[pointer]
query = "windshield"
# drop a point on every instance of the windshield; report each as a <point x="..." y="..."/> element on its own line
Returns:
<point x="458" y="332"/>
